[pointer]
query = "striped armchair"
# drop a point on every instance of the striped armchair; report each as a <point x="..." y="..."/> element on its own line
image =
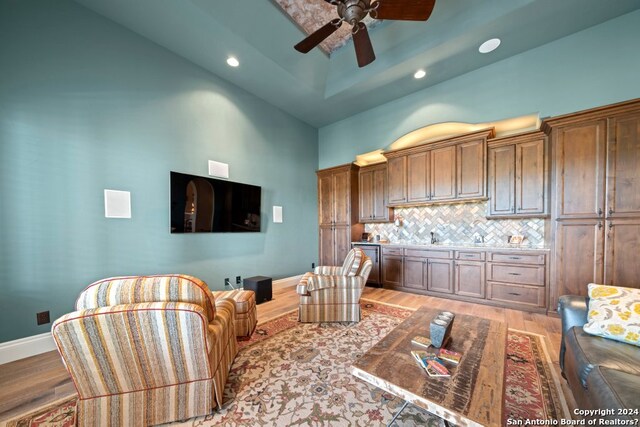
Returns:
<point x="146" y="350"/>
<point x="332" y="294"/>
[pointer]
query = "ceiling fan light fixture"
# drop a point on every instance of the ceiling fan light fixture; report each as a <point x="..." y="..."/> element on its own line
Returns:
<point x="419" y="74"/>
<point x="489" y="46"/>
<point x="232" y="61"/>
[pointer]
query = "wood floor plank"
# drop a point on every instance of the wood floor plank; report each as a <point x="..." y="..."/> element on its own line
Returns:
<point x="33" y="382"/>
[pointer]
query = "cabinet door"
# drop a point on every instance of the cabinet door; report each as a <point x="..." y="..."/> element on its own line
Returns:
<point x="397" y="180"/>
<point x="367" y="194"/>
<point x="470" y="279"/>
<point x="622" y="246"/>
<point x="502" y="161"/>
<point x="380" y="210"/>
<point x="327" y="245"/>
<point x="325" y="199"/>
<point x="414" y="273"/>
<point x="440" y="276"/>
<point x="580" y="169"/>
<point x="623" y="169"/>
<point x="443" y="173"/>
<point x="530" y="178"/>
<point x="578" y="256"/>
<point x="342" y="241"/>
<point x="418" y="177"/>
<point x="392" y="271"/>
<point x="470" y="169"/>
<point x="341" y="197"/>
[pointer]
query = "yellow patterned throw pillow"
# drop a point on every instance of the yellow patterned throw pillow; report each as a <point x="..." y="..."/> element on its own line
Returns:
<point x="614" y="312"/>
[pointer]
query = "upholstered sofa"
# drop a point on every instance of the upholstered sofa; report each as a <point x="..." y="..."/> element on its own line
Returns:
<point x="332" y="293"/>
<point x="601" y="373"/>
<point x="147" y="350"/>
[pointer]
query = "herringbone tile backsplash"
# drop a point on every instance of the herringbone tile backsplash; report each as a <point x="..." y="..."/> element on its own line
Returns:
<point x="458" y="223"/>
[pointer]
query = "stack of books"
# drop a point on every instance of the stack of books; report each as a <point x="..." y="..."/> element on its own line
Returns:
<point x="434" y="360"/>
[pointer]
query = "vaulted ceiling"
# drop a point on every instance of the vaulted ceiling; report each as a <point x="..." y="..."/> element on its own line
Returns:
<point x="319" y="88"/>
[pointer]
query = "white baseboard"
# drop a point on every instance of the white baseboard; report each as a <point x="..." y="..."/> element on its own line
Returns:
<point x="26" y="347"/>
<point x="286" y="282"/>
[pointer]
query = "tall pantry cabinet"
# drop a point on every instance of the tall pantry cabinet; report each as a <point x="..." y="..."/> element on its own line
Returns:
<point x="596" y="199"/>
<point x="338" y="212"/>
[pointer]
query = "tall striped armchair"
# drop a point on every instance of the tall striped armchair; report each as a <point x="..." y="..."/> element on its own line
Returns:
<point x="332" y="294"/>
<point x="145" y="350"/>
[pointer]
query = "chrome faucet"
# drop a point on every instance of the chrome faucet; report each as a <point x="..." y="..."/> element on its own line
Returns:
<point x="434" y="239"/>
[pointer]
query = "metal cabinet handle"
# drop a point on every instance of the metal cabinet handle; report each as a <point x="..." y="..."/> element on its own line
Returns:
<point x="610" y="211"/>
<point x="514" y="293"/>
<point x="599" y="225"/>
<point x="610" y="225"/>
<point x="468" y="255"/>
<point x="515" y="274"/>
<point x="599" y="211"/>
<point x="514" y="257"/>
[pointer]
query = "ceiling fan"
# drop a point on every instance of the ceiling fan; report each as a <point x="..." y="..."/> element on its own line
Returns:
<point x="354" y="11"/>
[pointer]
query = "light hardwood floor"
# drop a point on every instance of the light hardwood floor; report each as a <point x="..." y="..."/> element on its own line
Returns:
<point x="33" y="382"/>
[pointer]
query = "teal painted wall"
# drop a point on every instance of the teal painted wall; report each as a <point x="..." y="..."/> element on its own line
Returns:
<point x="594" y="67"/>
<point x="87" y="105"/>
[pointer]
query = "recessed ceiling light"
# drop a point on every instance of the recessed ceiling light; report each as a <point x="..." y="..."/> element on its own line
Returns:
<point x="420" y="74"/>
<point x="232" y="61"/>
<point x="489" y="46"/>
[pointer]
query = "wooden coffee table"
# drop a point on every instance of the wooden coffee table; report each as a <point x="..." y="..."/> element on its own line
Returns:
<point x="472" y="396"/>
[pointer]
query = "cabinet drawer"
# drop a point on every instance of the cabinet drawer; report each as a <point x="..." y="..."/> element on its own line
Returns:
<point x="391" y="251"/>
<point x="426" y="253"/>
<point x="518" y="294"/>
<point x="522" y="274"/>
<point x="470" y="256"/>
<point x="517" y="258"/>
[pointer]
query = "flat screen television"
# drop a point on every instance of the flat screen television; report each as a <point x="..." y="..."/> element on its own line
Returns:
<point x="206" y="205"/>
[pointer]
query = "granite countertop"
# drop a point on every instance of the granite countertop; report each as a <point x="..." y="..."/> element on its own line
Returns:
<point x="454" y="246"/>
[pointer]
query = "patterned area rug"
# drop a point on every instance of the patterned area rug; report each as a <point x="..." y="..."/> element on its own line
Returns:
<point x="293" y="374"/>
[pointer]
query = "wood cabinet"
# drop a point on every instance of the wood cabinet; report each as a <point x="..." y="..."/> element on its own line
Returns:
<point x="440" y="276"/>
<point x="392" y="268"/>
<point x="596" y="208"/>
<point x="470" y="278"/>
<point x="397" y="180"/>
<point x="517" y="279"/>
<point x="438" y="172"/>
<point x="623" y="167"/>
<point x="443" y="173"/>
<point x="579" y="158"/>
<point x="579" y="245"/>
<point x="373" y="252"/>
<point x="622" y="243"/>
<point x="418" y="189"/>
<point x="518" y="176"/>
<point x="415" y="273"/>
<point x="471" y="169"/>
<point x="338" y="208"/>
<point x="373" y="194"/>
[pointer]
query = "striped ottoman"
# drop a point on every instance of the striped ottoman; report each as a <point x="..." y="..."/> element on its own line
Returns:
<point x="246" y="316"/>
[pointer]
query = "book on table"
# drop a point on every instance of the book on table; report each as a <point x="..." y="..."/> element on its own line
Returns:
<point x="449" y="356"/>
<point x="421" y="341"/>
<point x="436" y="369"/>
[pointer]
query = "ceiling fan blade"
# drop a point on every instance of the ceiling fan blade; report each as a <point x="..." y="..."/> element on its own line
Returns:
<point x="362" y="44"/>
<point x="404" y="10"/>
<point x="318" y="36"/>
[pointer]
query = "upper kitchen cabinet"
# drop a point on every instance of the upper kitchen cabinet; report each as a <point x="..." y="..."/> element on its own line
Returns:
<point x="623" y="157"/>
<point x="518" y="176"/>
<point x="373" y="194"/>
<point x="447" y="170"/>
<point x="580" y="152"/>
<point x="471" y="169"/>
<point x="397" y="180"/>
<point x="338" y="207"/>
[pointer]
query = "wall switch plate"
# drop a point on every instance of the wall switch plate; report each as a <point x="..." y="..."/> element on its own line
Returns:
<point x="227" y="282"/>
<point x="43" y="318"/>
<point x="238" y="280"/>
<point x="313" y="265"/>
